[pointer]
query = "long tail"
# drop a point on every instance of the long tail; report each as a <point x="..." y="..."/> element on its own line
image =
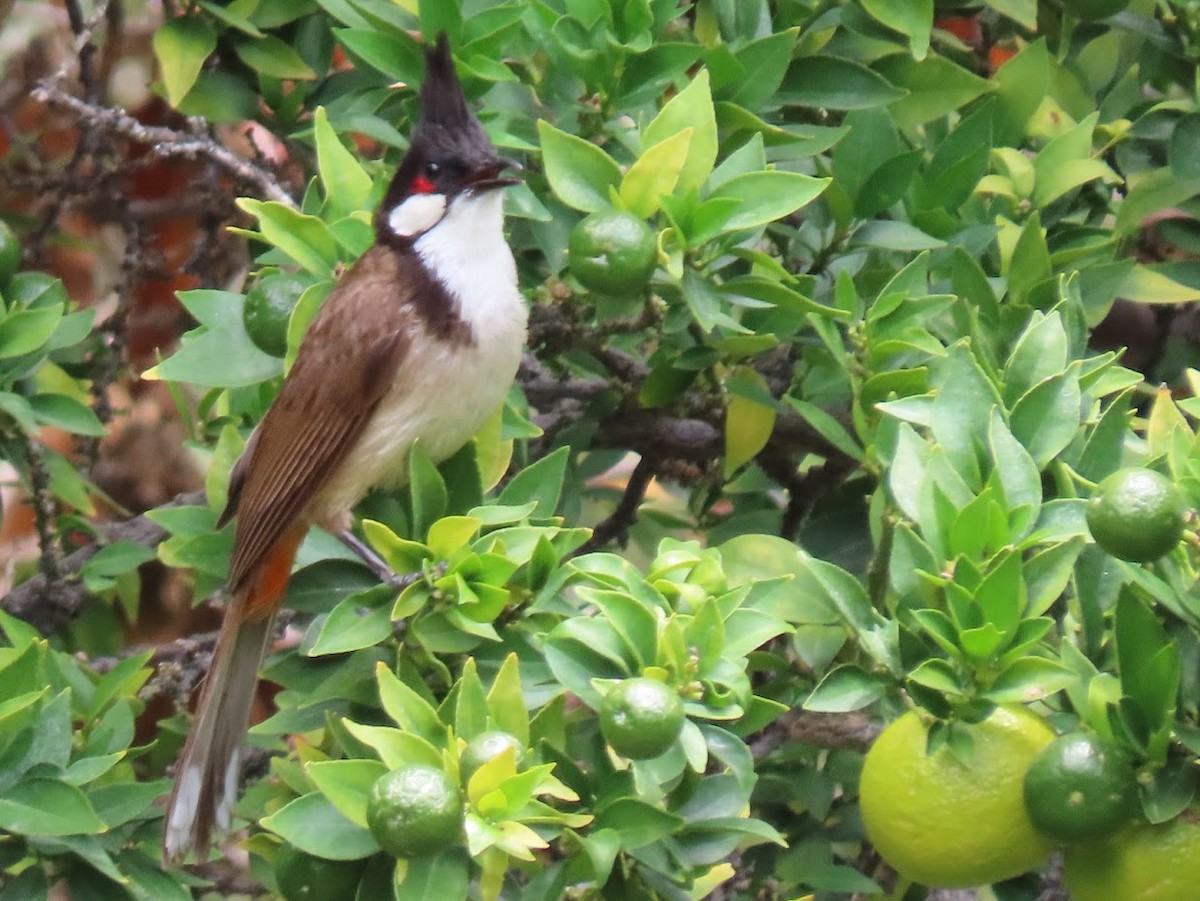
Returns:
<point x="206" y="777"/>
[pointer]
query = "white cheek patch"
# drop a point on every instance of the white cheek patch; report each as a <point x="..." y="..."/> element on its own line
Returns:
<point x="417" y="214"/>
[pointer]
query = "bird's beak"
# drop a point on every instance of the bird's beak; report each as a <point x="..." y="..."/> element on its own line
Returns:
<point x="488" y="177"/>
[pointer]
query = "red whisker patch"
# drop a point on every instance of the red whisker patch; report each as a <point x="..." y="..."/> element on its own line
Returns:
<point x="422" y="185"/>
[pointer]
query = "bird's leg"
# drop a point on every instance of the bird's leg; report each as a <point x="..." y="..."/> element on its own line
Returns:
<point x="376" y="564"/>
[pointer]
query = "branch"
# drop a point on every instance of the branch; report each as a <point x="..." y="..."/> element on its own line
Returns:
<point x="46" y="604"/>
<point x="165" y="142"/>
<point x="45" y="510"/>
<point x="855" y="731"/>
<point x="616" y="526"/>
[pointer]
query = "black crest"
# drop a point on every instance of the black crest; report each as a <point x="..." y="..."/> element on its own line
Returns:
<point x="448" y="128"/>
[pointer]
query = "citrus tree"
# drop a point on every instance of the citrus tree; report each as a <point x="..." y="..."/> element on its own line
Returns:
<point x="826" y="545"/>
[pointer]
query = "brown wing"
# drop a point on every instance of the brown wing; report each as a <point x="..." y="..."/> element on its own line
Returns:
<point x="345" y="365"/>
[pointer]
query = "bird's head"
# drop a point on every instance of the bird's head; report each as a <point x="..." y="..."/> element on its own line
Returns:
<point x="450" y="158"/>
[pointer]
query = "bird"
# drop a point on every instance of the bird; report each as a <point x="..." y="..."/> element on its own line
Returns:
<point x="419" y="341"/>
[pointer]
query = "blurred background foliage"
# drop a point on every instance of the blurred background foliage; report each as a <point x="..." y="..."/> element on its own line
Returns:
<point x="835" y="443"/>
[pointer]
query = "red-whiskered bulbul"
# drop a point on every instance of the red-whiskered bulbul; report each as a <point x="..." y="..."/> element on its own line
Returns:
<point x="419" y="340"/>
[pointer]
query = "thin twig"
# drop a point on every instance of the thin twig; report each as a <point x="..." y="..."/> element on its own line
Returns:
<point x="114" y="335"/>
<point x="47" y="603"/>
<point x="166" y="142"/>
<point x="88" y="144"/>
<point x="616" y="526"/>
<point x="85" y="49"/>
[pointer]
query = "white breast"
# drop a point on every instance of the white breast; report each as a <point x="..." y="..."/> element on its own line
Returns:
<point x="445" y="391"/>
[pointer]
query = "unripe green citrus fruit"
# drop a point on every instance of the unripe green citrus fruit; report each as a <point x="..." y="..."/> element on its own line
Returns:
<point x="268" y="309"/>
<point x="641" y="718"/>
<point x="1080" y="788"/>
<point x="415" y="810"/>
<point x="1136" y="514"/>
<point x="612" y="252"/>
<point x="485" y="747"/>
<point x="305" y="877"/>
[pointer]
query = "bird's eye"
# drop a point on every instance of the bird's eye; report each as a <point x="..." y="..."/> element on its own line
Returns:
<point x="432" y="169"/>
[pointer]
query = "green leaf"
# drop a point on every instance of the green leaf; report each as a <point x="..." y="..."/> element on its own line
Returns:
<point x="1029" y="679"/>
<point x="118" y="803"/>
<point x="1040" y="352"/>
<point x="428" y="490"/>
<point x="235" y="15"/>
<point x="831" y="82"/>
<point x="408" y="709"/>
<point x="181" y="46"/>
<point x="220" y="97"/>
<point x="828" y="427"/>
<point x="764" y="197"/>
<point x="1023" y="12"/>
<point x="1145" y="284"/>
<point x="346" y="184"/>
<point x="1066" y="163"/>
<point x="306" y="239"/>
<point x="1181" y="148"/>
<point x="1001" y="594"/>
<point x="270" y="56"/>
<point x="748" y="422"/>
<point x="346" y="783"/>
<point x="764" y="63"/>
<point x="66" y="413"/>
<point x="221" y="337"/>
<point x="845" y="688"/>
<point x="358" y="621"/>
<point x="580" y="173"/>
<point x="1150" y="193"/>
<point x="437" y="16"/>
<point x="1018" y="474"/>
<point x="638" y="823"/>
<point x="1030" y="262"/>
<point x="1046" y="419"/>
<point x="541" y="482"/>
<point x="395" y="748"/>
<point x="1148" y="660"/>
<point x="892" y="234"/>
<point x="690" y="108"/>
<point x="450" y="534"/>
<point x="506" y="705"/>
<point x="39" y="806"/>
<point x="1021" y="85"/>
<point x="114" y="560"/>
<point x="887" y="184"/>
<point x="445" y="876"/>
<point x="913" y="19"/>
<point x="394" y="53"/>
<point x="315" y="826"/>
<point x="655" y="173"/>
<point x="936" y="86"/>
<point x="24" y="331"/>
<point x="962" y="409"/>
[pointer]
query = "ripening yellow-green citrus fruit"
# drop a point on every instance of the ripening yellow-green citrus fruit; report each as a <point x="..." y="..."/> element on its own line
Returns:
<point x="950" y="823"/>
<point x="1140" y="863"/>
